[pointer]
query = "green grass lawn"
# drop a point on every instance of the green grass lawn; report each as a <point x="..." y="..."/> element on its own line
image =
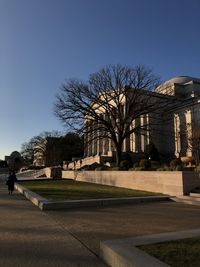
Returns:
<point x="180" y="253"/>
<point x="74" y="190"/>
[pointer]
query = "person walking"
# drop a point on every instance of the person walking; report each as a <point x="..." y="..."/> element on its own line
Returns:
<point x="11" y="182"/>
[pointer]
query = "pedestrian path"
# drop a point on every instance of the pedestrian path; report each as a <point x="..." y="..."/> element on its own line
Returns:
<point x="29" y="237"/>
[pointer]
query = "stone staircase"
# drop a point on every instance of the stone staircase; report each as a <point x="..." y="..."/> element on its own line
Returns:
<point x="193" y="198"/>
<point x="30" y="174"/>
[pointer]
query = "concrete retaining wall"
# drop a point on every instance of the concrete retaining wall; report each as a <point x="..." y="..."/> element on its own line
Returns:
<point x="48" y="172"/>
<point x="172" y="183"/>
<point x="53" y="172"/>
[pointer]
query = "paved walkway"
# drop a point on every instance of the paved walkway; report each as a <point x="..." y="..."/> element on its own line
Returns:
<point x="71" y="238"/>
<point x="94" y="225"/>
<point x="29" y="237"/>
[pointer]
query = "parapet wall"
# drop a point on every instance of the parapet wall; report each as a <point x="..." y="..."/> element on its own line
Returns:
<point x="171" y="183"/>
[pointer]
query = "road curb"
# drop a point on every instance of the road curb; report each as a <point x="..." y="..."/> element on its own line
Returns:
<point x="124" y="253"/>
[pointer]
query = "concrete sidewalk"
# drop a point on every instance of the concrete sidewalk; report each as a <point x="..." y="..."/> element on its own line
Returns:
<point x="94" y="225"/>
<point x="29" y="237"/>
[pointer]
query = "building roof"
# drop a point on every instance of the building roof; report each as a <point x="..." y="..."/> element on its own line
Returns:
<point x="15" y="154"/>
<point x="182" y="80"/>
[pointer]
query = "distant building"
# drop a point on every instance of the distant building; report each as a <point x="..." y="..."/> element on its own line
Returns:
<point x="52" y="151"/>
<point x="15" y="160"/>
<point x="3" y="164"/>
<point x="48" y="152"/>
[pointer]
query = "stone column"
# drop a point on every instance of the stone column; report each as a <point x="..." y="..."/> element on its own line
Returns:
<point x="109" y="147"/>
<point x="147" y="130"/>
<point x="93" y="139"/>
<point x="98" y="141"/>
<point x="143" y="132"/>
<point x="87" y="151"/>
<point x="138" y="136"/>
<point x="104" y="142"/>
<point x="177" y="135"/>
<point x="188" y="119"/>
<point x="183" y="134"/>
<point x="90" y="140"/>
<point x="132" y="138"/>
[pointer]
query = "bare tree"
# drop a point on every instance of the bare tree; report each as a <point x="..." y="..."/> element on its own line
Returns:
<point x="27" y="151"/>
<point x="107" y="105"/>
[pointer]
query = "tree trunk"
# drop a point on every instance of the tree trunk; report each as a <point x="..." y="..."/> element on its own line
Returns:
<point x="118" y="154"/>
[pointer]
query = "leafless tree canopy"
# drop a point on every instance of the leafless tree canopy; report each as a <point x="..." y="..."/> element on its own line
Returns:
<point x="97" y="106"/>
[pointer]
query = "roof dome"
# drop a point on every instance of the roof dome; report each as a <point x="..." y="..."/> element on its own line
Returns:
<point x="15" y="154"/>
<point x="182" y="80"/>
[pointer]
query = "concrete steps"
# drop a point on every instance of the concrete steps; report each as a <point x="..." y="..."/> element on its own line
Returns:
<point x="197" y="195"/>
<point x="193" y="199"/>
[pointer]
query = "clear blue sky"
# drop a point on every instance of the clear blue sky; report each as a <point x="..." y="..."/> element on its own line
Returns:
<point x="44" y="42"/>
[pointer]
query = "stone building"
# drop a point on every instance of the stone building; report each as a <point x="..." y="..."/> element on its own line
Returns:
<point x="52" y="151"/>
<point x="48" y="152"/>
<point x="175" y="132"/>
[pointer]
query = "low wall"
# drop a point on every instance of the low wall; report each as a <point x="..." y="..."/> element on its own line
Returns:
<point x="171" y="183"/>
<point x="48" y="172"/>
<point x="53" y="172"/>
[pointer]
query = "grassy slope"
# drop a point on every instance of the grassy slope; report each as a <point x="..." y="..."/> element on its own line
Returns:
<point x="70" y="189"/>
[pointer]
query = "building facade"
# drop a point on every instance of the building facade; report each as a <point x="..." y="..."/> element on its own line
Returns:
<point x="175" y="132"/>
<point x="48" y="152"/>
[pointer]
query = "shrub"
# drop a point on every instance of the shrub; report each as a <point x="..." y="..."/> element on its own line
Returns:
<point x="175" y="162"/>
<point x="197" y="168"/>
<point x="125" y="164"/>
<point x="193" y="161"/>
<point x="164" y="169"/>
<point x="102" y="168"/>
<point x="135" y="165"/>
<point x="91" y="167"/>
<point x="179" y="168"/>
<point x="116" y="169"/>
<point x="106" y="168"/>
<point x="161" y="169"/>
<point x="190" y="168"/>
<point x="145" y="164"/>
<point x="139" y="169"/>
<point x="155" y="164"/>
<point x="98" y="169"/>
<point x="151" y="152"/>
<point x="85" y="167"/>
<point x="94" y="165"/>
